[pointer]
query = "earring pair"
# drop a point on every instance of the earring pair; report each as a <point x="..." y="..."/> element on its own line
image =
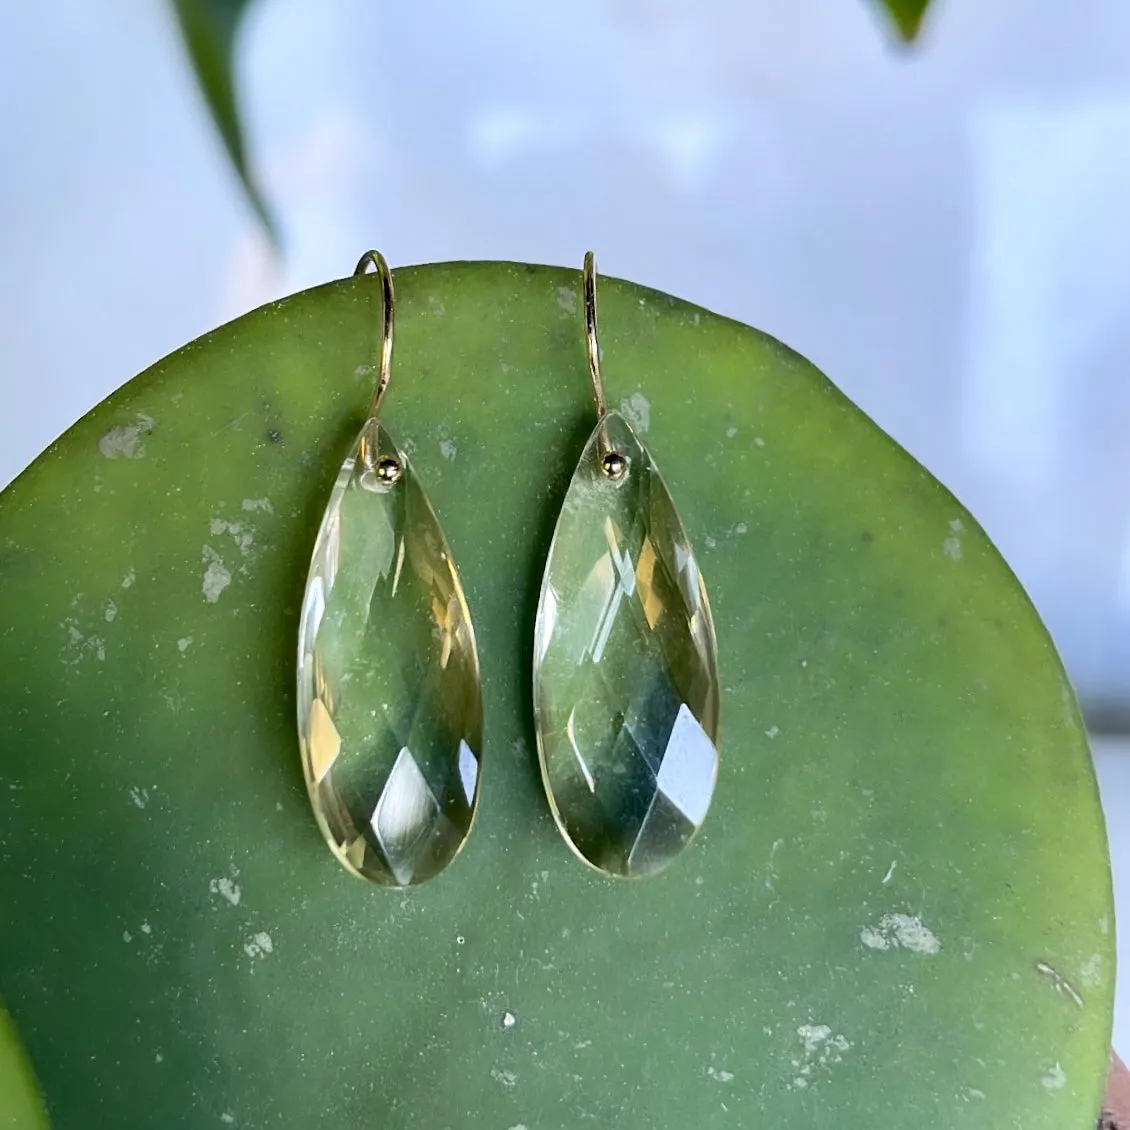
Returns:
<point x="626" y="689"/>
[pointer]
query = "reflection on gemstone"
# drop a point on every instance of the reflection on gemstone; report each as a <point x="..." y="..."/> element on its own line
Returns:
<point x="406" y="815"/>
<point x="626" y="689"/>
<point x="389" y="699"/>
<point x="468" y="772"/>
<point x="686" y="773"/>
<point x="324" y="741"/>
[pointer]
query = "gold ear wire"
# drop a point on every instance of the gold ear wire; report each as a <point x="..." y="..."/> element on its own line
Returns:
<point x="378" y="262"/>
<point x="590" y="331"/>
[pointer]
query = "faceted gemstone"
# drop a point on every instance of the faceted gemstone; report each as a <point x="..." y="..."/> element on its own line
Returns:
<point x="625" y="665"/>
<point x="389" y="697"/>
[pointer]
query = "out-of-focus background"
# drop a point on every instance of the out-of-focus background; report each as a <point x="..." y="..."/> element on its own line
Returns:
<point x="944" y="230"/>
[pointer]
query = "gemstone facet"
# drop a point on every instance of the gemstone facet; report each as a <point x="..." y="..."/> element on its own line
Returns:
<point x="389" y="695"/>
<point x="626" y="692"/>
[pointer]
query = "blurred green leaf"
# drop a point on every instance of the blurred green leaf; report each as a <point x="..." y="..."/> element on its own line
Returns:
<point x="907" y="15"/>
<point x="21" y="1106"/>
<point x="210" y="28"/>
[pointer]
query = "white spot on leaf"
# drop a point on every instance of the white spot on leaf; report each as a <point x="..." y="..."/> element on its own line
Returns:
<point x="1061" y="983"/>
<point x="447" y="449"/>
<point x="900" y="931"/>
<point x="126" y="441"/>
<point x="1055" y="1079"/>
<point x="79" y="645"/>
<point x="251" y="505"/>
<point x="567" y="299"/>
<point x="228" y="890"/>
<point x="822" y="1049"/>
<point x="636" y="410"/>
<point x="951" y="547"/>
<point x="873" y="939"/>
<point x="1091" y="972"/>
<point x="259" y="945"/>
<point x="813" y="1035"/>
<point x="216" y="576"/>
<point x="771" y="869"/>
<point x="240" y="534"/>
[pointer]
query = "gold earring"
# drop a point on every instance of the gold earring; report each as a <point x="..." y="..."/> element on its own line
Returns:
<point x="390" y="720"/>
<point x="626" y="689"/>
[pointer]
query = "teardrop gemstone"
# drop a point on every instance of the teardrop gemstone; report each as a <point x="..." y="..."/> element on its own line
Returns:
<point x="390" y="716"/>
<point x="626" y="692"/>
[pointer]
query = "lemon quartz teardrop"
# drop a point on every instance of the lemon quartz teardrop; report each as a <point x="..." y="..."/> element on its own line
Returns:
<point x="626" y="689"/>
<point x="389" y="695"/>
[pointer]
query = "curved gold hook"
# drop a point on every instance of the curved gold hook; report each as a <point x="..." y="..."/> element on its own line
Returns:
<point x="388" y="296"/>
<point x="614" y="464"/>
<point x="589" y="278"/>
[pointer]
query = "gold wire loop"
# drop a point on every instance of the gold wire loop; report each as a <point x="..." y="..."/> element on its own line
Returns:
<point x="613" y="464"/>
<point x="590" y="331"/>
<point x="388" y="297"/>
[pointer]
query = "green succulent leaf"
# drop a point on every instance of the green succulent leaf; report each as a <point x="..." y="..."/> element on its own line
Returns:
<point x="898" y="910"/>
<point x="210" y="28"/>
